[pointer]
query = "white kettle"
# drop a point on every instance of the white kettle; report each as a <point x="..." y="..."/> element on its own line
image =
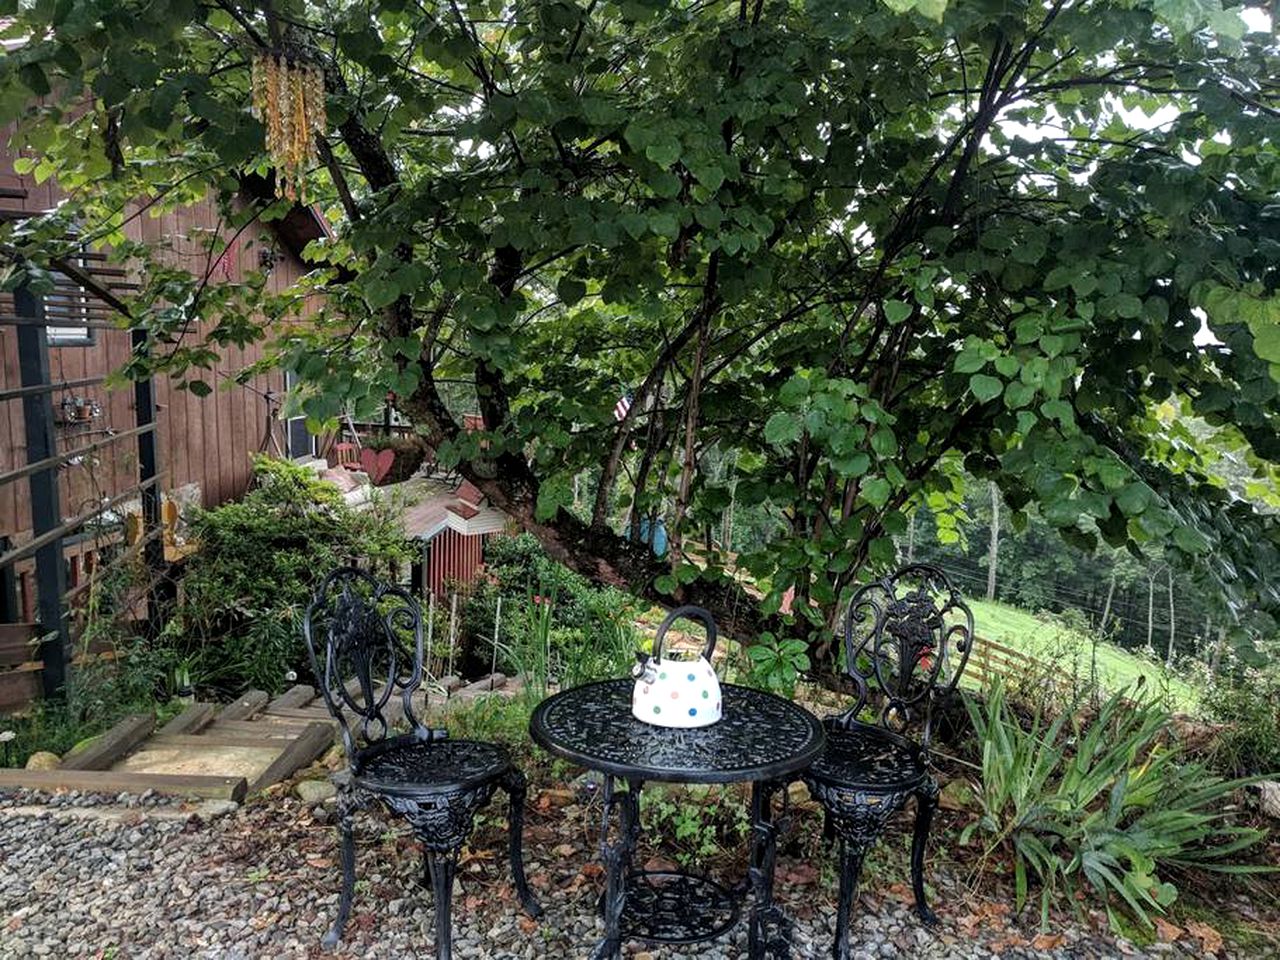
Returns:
<point x="682" y="693"/>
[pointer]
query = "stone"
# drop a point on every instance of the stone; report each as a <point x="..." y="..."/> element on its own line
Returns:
<point x="957" y="795"/>
<point x="495" y="681"/>
<point x="1270" y="791"/>
<point x="315" y="791"/>
<point x="210" y="809"/>
<point x="43" y="760"/>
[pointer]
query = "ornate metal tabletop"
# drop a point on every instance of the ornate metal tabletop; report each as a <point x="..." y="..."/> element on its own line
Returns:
<point x="762" y="737"/>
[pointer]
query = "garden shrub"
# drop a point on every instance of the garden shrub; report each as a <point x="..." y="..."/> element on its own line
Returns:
<point x="1099" y="801"/>
<point x="1249" y="706"/>
<point x="555" y="623"/>
<point x="245" y="590"/>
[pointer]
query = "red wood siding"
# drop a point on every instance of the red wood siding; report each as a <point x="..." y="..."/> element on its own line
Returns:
<point x="206" y="440"/>
<point x="453" y="560"/>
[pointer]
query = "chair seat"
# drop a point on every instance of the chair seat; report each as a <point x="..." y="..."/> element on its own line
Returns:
<point x="868" y="757"/>
<point x="409" y="767"/>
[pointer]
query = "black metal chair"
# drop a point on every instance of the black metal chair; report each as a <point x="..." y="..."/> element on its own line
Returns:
<point x="372" y="648"/>
<point x="908" y="636"/>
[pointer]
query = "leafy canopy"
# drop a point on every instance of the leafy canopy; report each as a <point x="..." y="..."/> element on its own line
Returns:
<point x="850" y="247"/>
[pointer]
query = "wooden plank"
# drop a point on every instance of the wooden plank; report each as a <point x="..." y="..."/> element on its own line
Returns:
<point x="105" y="750"/>
<point x="263" y="727"/>
<point x="298" y="695"/>
<point x="115" y="781"/>
<point x="194" y="718"/>
<point x="18" y="688"/>
<point x="314" y="741"/>
<point x="314" y="714"/>
<point x="245" y="707"/>
<point x="218" y="738"/>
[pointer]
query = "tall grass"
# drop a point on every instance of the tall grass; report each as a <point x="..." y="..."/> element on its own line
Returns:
<point x="1099" y="801"/>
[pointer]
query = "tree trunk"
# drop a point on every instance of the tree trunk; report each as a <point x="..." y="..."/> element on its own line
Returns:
<point x="993" y="551"/>
<point x="1151" y="609"/>
<point x="1217" y="652"/>
<point x="1106" y="608"/>
<point x="911" y="538"/>
<point x="1168" y="658"/>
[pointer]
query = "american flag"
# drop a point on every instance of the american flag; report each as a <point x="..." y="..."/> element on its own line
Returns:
<point x="622" y="407"/>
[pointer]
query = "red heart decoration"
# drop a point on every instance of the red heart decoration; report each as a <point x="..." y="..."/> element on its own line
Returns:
<point x="377" y="463"/>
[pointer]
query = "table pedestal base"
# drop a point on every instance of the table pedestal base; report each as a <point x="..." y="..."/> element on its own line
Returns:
<point x="678" y="908"/>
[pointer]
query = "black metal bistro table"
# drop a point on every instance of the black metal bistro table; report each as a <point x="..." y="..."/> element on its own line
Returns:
<point x="763" y="739"/>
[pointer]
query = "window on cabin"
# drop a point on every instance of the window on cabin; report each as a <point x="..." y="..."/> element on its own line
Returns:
<point x="64" y="305"/>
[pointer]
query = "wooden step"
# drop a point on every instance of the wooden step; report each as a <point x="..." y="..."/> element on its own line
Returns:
<point x="101" y="752"/>
<point x="263" y="727"/>
<point x="245" y="707"/>
<point x="310" y="714"/>
<point x="193" y="719"/>
<point x="115" y="781"/>
<point x="300" y="752"/>
<point x="299" y="695"/>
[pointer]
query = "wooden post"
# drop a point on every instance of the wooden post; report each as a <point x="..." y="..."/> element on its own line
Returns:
<point x="144" y="414"/>
<point x="497" y="623"/>
<point x="993" y="550"/>
<point x="453" y="631"/>
<point x="46" y="510"/>
<point x="1168" y="659"/>
<point x="10" y="610"/>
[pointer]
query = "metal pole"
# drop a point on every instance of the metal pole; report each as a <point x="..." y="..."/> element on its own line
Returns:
<point x="46" y="511"/>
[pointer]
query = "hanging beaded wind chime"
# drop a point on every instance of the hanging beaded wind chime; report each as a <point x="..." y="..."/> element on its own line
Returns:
<point x="288" y="97"/>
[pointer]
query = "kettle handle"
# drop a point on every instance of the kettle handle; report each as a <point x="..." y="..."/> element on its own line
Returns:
<point x="693" y="613"/>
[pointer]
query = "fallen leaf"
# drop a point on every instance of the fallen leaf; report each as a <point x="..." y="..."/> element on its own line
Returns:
<point x="528" y="925"/>
<point x="1047" y="941"/>
<point x="1210" y="939"/>
<point x="320" y="863"/>
<point x="592" y="870"/>
<point x="1166" y="931"/>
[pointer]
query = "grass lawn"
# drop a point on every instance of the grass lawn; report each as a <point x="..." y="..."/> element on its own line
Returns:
<point x="1048" y="642"/>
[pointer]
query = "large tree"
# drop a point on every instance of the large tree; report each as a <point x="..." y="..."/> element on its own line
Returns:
<point x="850" y="247"/>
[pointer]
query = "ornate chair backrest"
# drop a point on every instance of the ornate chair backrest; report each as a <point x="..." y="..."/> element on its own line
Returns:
<point x="908" y="635"/>
<point x="370" y="649"/>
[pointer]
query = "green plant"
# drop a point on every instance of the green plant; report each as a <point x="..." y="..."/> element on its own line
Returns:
<point x="776" y="663"/>
<point x="696" y="822"/>
<point x="1249" y="708"/>
<point x="1099" y="802"/>
<point x="245" y="590"/>
<point x="117" y="672"/>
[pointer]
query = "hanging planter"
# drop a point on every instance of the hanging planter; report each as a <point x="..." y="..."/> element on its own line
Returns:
<point x="288" y="97"/>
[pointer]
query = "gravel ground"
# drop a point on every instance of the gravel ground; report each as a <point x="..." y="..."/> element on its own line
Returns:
<point x="120" y="877"/>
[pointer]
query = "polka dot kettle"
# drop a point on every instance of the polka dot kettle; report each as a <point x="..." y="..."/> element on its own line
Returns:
<point x="673" y="691"/>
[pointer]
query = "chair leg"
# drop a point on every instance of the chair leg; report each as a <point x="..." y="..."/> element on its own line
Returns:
<point x="926" y="804"/>
<point x="851" y="857"/>
<point x="442" y="867"/>
<point x="347" y="806"/>
<point x="515" y="785"/>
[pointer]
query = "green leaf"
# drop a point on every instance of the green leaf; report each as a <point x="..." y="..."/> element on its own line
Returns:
<point x="884" y="443"/>
<point x="875" y="490"/>
<point x="381" y="293"/>
<point x="985" y="388"/>
<point x="782" y="428"/>
<point x="895" y="311"/>
<point x="570" y="291"/>
<point x="969" y="361"/>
